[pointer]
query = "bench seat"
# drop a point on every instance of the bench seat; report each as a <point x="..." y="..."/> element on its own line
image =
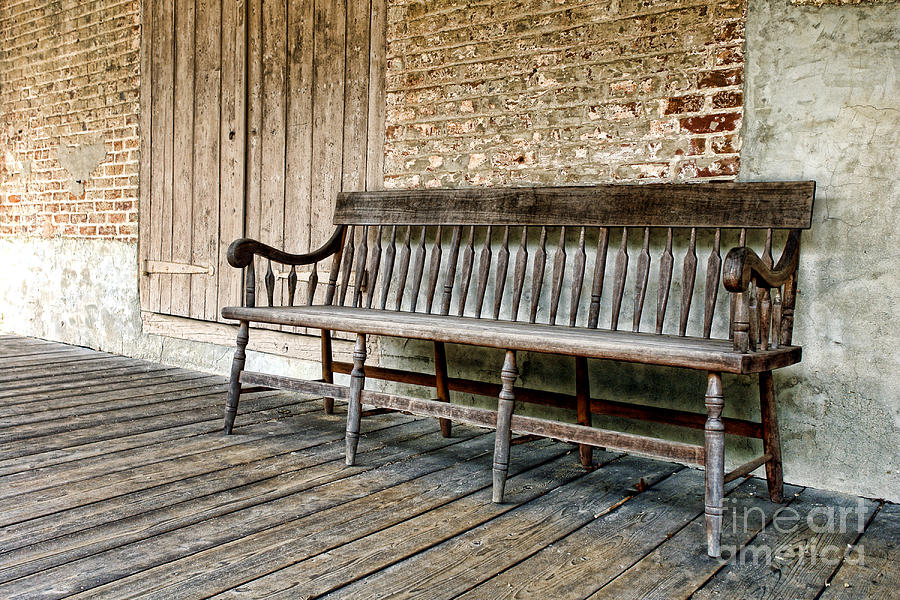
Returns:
<point x="692" y="352"/>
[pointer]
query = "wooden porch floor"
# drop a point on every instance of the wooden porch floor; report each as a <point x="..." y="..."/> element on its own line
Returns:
<point x="116" y="482"/>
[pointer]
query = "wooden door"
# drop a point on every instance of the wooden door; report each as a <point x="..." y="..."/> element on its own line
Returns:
<point x="255" y="115"/>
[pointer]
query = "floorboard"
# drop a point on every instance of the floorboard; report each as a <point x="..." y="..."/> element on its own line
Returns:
<point x="117" y="482"/>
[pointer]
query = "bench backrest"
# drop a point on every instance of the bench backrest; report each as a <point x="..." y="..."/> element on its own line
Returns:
<point x="483" y="252"/>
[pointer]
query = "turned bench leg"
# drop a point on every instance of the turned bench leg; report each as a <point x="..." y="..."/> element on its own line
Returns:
<point x="504" y="416"/>
<point x="771" y="438"/>
<point x="583" y="405"/>
<point x="441" y="384"/>
<point x="327" y="369"/>
<point x="715" y="464"/>
<point x="354" y="408"/>
<point x="234" y="384"/>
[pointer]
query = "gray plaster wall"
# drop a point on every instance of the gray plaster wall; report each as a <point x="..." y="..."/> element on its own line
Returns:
<point x="822" y="102"/>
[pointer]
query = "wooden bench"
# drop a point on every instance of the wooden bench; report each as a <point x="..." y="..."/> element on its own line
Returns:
<point x="435" y="265"/>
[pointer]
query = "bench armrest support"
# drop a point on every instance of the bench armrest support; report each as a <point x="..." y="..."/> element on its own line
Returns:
<point x="242" y="251"/>
<point x="746" y="276"/>
<point x="743" y="265"/>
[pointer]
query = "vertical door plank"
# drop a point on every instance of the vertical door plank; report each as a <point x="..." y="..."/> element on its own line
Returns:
<point x="253" y="205"/>
<point x="299" y="76"/>
<point x="328" y="117"/>
<point x="207" y="103"/>
<point x="377" y="82"/>
<point x="145" y="224"/>
<point x="163" y="73"/>
<point x="356" y="100"/>
<point x="232" y="137"/>
<point x="183" y="154"/>
<point x="274" y="58"/>
<point x="299" y="123"/>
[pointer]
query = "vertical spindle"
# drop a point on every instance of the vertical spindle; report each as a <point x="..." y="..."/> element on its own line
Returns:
<point x="292" y="285"/>
<point x="666" y="265"/>
<point x="361" y="267"/>
<point x="599" y="273"/>
<point x="452" y="259"/>
<point x="640" y="284"/>
<point x="418" y="269"/>
<point x="537" y="275"/>
<point x="389" y="255"/>
<point x="313" y="282"/>
<point x="347" y="266"/>
<point x="484" y="269"/>
<point x="374" y="265"/>
<point x="335" y="271"/>
<point x="250" y="285"/>
<point x="577" y="279"/>
<point x="519" y="275"/>
<point x="619" y="282"/>
<point x="468" y="260"/>
<point x="559" y="272"/>
<point x="502" y="267"/>
<point x="688" y="276"/>
<point x="270" y="284"/>
<point x="713" y="272"/>
<point x="753" y="312"/>
<point x="776" y="319"/>
<point x="433" y="270"/>
<point x="787" y="310"/>
<point x="403" y="267"/>
<point x="733" y="307"/>
<point x="764" y="298"/>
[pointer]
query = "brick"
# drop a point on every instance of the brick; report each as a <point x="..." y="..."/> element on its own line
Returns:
<point x="720" y="78"/>
<point x="711" y="123"/>
<point x="683" y="104"/>
<point x="727" y="144"/>
<point x="730" y="99"/>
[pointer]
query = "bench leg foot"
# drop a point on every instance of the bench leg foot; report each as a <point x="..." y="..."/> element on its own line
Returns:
<point x="715" y="464"/>
<point x="354" y="408"/>
<point x="771" y="438"/>
<point x="234" y="384"/>
<point x="504" y="416"/>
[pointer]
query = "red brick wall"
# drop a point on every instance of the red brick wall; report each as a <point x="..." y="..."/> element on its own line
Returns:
<point x="69" y="76"/>
<point x="540" y="91"/>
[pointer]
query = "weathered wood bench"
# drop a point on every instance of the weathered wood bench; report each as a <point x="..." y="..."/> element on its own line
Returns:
<point x="385" y="281"/>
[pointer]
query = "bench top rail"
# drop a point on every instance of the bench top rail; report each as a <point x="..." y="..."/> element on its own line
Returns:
<point x="752" y="205"/>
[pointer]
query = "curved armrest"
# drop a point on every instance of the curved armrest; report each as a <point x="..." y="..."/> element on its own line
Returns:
<point x="743" y="265"/>
<point x="241" y="251"/>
